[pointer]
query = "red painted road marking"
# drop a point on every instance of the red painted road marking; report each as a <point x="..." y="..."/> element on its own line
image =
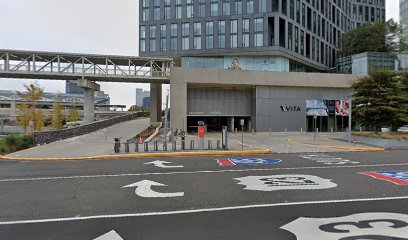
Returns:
<point x="385" y="178"/>
<point x="225" y="162"/>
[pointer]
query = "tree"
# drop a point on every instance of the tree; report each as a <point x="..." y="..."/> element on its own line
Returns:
<point x="377" y="100"/>
<point x="29" y="115"/>
<point x="73" y="113"/>
<point x="373" y="37"/>
<point x="57" y="114"/>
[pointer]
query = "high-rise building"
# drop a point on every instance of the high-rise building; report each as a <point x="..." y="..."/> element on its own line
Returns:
<point x="71" y="87"/>
<point x="140" y="95"/>
<point x="273" y="35"/>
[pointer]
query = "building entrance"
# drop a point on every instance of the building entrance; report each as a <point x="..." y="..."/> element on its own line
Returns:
<point x="215" y="123"/>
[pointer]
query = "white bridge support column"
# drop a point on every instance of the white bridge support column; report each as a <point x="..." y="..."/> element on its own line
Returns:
<point x="89" y="99"/>
<point x="155" y="103"/>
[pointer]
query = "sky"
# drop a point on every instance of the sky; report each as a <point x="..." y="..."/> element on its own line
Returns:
<point x="81" y="26"/>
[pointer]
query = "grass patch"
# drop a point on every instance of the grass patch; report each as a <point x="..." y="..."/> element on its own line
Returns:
<point x="394" y="136"/>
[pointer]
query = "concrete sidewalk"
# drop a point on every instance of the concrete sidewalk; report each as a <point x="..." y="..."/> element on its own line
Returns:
<point x="96" y="143"/>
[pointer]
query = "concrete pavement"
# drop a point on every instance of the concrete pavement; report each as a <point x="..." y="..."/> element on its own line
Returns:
<point x="86" y="199"/>
<point x="96" y="143"/>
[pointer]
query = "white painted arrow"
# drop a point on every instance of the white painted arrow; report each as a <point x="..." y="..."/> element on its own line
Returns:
<point x="112" y="235"/>
<point x="143" y="189"/>
<point x="160" y="164"/>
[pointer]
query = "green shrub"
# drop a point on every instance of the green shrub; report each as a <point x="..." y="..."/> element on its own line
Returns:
<point x="17" y="142"/>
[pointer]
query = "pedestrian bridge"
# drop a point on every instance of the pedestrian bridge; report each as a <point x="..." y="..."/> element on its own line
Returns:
<point x="70" y="66"/>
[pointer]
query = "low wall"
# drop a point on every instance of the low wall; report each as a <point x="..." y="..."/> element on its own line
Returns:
<point x="55" y="135"/>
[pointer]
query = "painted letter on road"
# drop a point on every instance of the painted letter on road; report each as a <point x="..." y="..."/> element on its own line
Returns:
<point x="285" y="182"/>
<point x="375" y="226"/>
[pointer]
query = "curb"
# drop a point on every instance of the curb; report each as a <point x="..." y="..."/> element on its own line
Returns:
<point x="143" y="155"/>
<point x="356" y="149"/>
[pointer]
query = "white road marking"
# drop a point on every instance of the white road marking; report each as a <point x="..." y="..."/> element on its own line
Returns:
<point x="202" y="210"/>
<point x="370" y="225"/>
<point x="144" y="189"/>
<point x="161" y="164"/>
<point x="112" y="235"/>
<point x="285" y="182"/>
<point x="196" y="172"/>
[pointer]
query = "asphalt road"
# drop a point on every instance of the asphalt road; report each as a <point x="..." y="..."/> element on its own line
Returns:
<point x="196" y="198"/>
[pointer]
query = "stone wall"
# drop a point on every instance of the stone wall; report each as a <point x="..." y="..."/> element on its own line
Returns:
<point x="55" y="135"/>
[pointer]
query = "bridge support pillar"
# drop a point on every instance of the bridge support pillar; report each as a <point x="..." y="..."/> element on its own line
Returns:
<point x="89" y="99"/>
<point x="155" y="103"/>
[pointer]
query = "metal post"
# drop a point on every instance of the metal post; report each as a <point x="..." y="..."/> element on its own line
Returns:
<point x="192" y="145"/>
<point x="174" y="146"/>
<point x="218" y="144"/>
<point x="146" y="147"/>
<point x="242" y="137"/>
<point x="209" y="145"/>
<point x="127" y="146"/>
<point x="164" y="146"/>
<point x="349" y="122"/>
<point x="156" y="147"/>
<point x="165" y="117"/>
<point x="183" y="143"/>
<point x="136" y="147"/>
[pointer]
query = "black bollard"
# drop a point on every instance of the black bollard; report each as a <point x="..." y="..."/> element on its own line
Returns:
<point x="136" y="147"/>
<point x="146" y="147"/>
<point x="192" y="145"/>
<point x="127" y="147"/>
<point x="209" y="145"/>
<point x="174" y="146"/>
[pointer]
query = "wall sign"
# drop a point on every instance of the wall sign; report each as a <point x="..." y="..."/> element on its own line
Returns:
<point x="290" y="108"/>
<point x="396" y="177"/>
<point x="228" y="162"/>
<point x="375" y="226"/>
<point x="285" y="182"/>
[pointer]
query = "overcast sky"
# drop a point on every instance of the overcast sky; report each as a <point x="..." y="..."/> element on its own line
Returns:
<point x="81" y="26"/>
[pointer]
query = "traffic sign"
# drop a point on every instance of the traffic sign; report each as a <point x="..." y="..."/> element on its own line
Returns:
<point x="227" y="162"/>
<point x="396" y="177"/>
<point x="381" y="226"/>
<point x="242" y="122"/>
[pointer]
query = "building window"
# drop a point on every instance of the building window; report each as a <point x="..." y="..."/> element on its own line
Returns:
<point x="303" y="14"/>
<point x="296" y="39"/>
<point x="238" y="6"/>
<point x="214" y="8"/>
<point x="262" y="6"/>
<point x="292" y="9"/>
<point x="152" y="35"/>
<point x="302" y="42"/>
<point x="156" y="10"/>
<point x="179" y="9"/>
<point x="259" y="31"/>
<point x="173" y="34"/>
<point x="245" y="33"/>
<point x="221" y="34"/>
<point x="285" y="7"/>
<point x="190" y="9"/>
<point x="209" y="31"/>
<point x="234" y="33"/>
<point x="226" y="8"/>
<point x="197" y="35"/>
<point x="250" y="6"/>
<point x="143" y="38"/>
<point x="290" y="36"/>
<point x="298" y="11"/>
<point x="145" y="10"/>
<point x="163" y="36"/>
<point x="201" y="8"/>
<point x="185" y="43"/>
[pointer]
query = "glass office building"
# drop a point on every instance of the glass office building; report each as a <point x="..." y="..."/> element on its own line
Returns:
<point x="364" y="63"/>
<point x="273" y="35"/>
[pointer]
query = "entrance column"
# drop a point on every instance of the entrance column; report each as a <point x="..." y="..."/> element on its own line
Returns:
<point x="155" y="103"/>
<point x="89" y="98"/>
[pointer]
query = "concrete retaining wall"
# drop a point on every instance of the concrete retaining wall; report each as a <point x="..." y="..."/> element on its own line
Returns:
<point x="55" y="135"/>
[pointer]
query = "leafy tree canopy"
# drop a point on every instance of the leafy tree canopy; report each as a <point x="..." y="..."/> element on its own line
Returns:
<point x="374" y="37"/>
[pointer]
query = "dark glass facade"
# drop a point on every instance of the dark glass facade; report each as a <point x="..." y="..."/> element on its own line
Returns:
<point x="306" y="32"/>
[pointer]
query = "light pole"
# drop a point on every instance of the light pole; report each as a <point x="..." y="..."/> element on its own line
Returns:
<point x="349" y="120"/>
